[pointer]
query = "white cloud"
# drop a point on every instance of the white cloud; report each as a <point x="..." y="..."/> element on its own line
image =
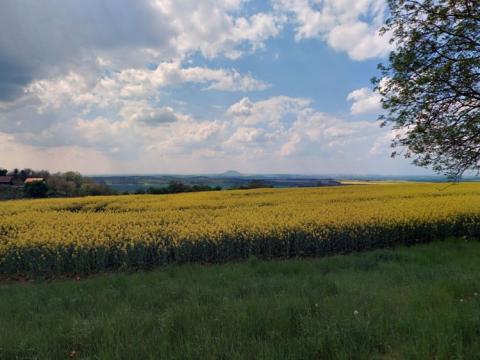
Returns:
<point x="274" y="134"/>
<point x="214" y="27"/>
<point x="100" y="132"/>
<point x="44" y="38"/>
<point x="91" y="85"/>
<point x="319" y="132"/>
<point x="291" y="146"/>
<point x="268" y="111"/>
<point x="243" y="108"/>
<point x="359" y="40"/>
<point x="246" y="135"/>
<point x="88" y="36"/>
<point x="287" y="126"/>
<point x="382" y="144"/>
<point x="364" y="100"/>
<point x="218" y="79"/>
<point x="349" y="26"/>
<point x="54" y="93"/>
<point x="119" y="113"/>
<point x="142" y="112"/>
<point x="133" y="95"/>
<point x="106" y="90"/>
<point x="186" y="138"/>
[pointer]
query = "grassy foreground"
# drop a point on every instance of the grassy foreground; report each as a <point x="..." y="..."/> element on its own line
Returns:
<point x="420" y="302"/>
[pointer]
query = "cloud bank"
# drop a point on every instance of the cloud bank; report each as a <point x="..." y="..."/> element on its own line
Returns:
<point x="92" y="85"/>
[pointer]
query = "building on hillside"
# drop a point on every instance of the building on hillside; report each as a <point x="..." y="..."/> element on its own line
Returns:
<point x="6" y="180"/>
<point x="34" y="180"/>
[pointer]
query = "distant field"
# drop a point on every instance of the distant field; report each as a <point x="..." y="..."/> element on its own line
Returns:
<point x="131" y="183"/>
<point x="371" y="182"/>
<point x="421" y="302"/>
<point x="89" y="235"/>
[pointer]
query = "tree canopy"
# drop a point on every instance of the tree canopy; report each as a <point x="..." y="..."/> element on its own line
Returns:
<point x="430" y="86"/>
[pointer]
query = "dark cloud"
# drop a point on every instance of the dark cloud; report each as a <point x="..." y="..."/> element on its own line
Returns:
<point x="159" y="116"/>
<point x="26" y="118"/>
<point x="13" y="77"/>
<point x="38" y="37"/>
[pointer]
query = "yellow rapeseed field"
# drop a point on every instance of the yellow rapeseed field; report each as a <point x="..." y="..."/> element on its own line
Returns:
<point x="87" y="235"/>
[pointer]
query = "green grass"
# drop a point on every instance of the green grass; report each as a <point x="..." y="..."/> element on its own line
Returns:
<point x="408" y="303"/>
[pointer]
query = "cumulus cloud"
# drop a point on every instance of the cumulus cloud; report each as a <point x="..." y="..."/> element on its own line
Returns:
<point x="118" y="113"/>
<point x="187" y="138"/>
<point x="246" y="135"/>
<point x="144" y="113"/>
<point x="349" y="26"/>
<point x="109" y="89"/>
<point x="128" y="95"/>
<point x="276" y="131"/>
<point x="364" y="100"/>
<point x="287" y="126"/>
<point x="41" y="39"/>
<point x="76" y="74"/>
<point x="38" y="38"/>
<point x="316" y="132"/>
<point x="215" y="27"/>
<point x="172" y="73"/>
<point x="86" y="84"/>
<point x="267" y="111"/>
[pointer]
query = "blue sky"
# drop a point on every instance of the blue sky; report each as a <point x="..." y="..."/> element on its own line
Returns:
<point x="168" y="86"/>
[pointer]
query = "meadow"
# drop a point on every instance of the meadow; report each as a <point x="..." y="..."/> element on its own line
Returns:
<point x="77" y="236"/>
<point x="419" y="302"/>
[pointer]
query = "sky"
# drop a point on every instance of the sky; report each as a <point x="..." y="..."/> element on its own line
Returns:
<point x="188" y="86"/>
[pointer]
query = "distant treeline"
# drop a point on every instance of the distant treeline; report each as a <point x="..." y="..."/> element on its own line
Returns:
<point x="254" y="184"/>
<point x="176" y="187"/>
<point x="68" y="184"/>
<point x="73" y="184"/>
